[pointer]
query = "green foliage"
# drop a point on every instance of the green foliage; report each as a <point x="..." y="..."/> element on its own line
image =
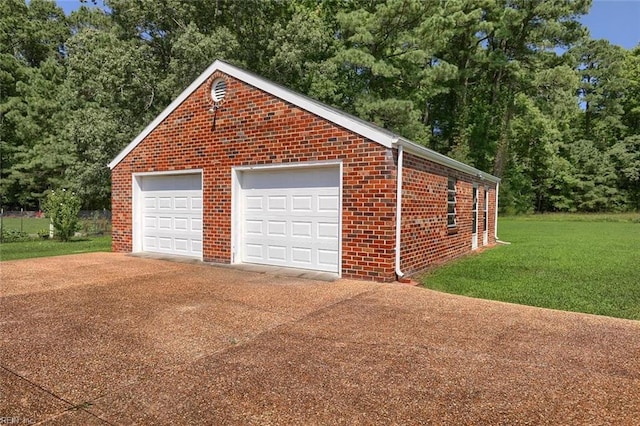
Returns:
<point x="601" y="89"/>
<point x="30" y="225"/>
<point x="479" y="80"/>
<point x="44" y="248"/>
<point x="62" y="207"/>
<point x="580" y="263"/>
<point x="625" y="158"/>
<point x="13" y="235"/>
<point x="631" y="98"/>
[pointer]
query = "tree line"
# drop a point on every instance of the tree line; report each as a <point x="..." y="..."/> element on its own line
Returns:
<point x="514" y="87"/>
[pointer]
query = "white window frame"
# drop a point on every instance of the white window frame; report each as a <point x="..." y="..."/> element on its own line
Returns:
<point x="485" y="219"/>
<point x="451" y="202"/>
<point x="485" y="230"/>
<point x="475" y="192"/>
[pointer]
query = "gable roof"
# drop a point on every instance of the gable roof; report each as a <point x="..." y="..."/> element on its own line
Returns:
<point x="363" y="128"/>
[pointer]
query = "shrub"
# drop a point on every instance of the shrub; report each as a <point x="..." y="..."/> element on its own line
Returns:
<point x="62" y="207"/>
<point x="13" y="236"/>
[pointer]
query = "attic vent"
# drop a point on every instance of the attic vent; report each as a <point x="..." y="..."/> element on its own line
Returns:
<point x="218" y="90"/>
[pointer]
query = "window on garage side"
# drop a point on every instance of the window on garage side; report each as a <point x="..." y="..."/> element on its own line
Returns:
<point x="485" y="213"/>
<point x="474" y="211"/>
<point x="451" y="203"/>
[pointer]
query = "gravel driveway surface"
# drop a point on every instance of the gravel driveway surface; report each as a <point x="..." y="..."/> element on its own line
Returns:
<point x="105" y="338"/>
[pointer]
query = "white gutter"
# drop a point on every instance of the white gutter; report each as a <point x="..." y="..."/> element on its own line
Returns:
<point x="495" y="228"/>
<point x="399" y="273"/>
<point x="436" y="157"/>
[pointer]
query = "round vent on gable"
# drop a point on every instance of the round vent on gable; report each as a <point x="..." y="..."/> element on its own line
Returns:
<point x="218" y="90"/>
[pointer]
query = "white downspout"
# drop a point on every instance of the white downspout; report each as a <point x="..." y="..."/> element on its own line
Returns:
<point x="399" y="273"/>
<point x="495" y="228"/>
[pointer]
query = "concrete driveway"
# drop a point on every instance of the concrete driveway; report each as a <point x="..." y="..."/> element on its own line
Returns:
<point x="111" y="339"/>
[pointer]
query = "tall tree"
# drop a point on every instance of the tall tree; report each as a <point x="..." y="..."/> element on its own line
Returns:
<point x="601" y="65"/>
<point x="32" y="38"/>
<point x="112" y="85"/>
<point x="631" y="99"/>
<point x="479" y="80"/>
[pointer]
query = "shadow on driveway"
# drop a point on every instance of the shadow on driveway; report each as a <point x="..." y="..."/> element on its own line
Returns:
<point x="105" y="338"/>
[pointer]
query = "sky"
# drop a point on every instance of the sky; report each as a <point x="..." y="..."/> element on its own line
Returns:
<point x="615" y="20"/>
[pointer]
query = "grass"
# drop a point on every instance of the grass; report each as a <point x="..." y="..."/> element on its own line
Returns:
<point x="44" y="248"/>
<point x="30" y="225"/>
<point x="33" y="225"/>
<point x="581" y="217"/>
<point x="581" y="263"/>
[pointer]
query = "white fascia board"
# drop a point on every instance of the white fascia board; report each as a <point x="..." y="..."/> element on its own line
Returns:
<point x="438" y="158"/>
<point x="358" y="126"/>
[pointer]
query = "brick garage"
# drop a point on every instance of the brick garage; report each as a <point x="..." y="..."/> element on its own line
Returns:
<point x="238" y="169"/>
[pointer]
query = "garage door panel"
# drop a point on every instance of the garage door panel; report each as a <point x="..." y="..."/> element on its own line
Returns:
<point x="327" y="257"/>
<point x="181" y="203"/>
<point x="164" y="243"/>
<point x="150" y="242"/>
<point x="253" y="251"/>
<point x="181" y="244"/>
<point x="277" y="253"/>
<point x="196" y="203"/>
<point x="164" y="203"/>
<point x="253" y="203"/>
<point x="178" y="182"/>
<point x="149" y="202"/>
<point x="150" y="222"/>
<point x="164" y="223"/>
<point x="181" y="224"/>
<point x="303" y="178"/>
<point x="253" y="227"/>
<point x="327" y="230"/>
<point x="301" y="255"/>
<point x="301" y="229"/>
<point x="276" y="228"/>
<point x="172" y="215"/>
<point x="328" y="203"/>
<point x="286" y="223"/>
<point x="302" y="203"/>
<point x="277" y="203"/>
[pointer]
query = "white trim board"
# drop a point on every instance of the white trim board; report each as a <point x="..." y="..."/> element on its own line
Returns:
<point x="368" y="130"/>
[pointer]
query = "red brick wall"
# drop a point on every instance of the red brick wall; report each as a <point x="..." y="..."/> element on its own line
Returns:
<point x="255" y="128"/>
<point x="426" y="240"/>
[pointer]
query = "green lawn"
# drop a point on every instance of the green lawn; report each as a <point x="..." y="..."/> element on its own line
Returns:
<point x="30" y="225"/>
<point x="44" y="248"/>
<point x="582" y="263"/>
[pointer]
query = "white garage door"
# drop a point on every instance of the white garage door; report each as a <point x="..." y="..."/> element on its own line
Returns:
<point x="291" y="218"/>
<point x="171" y="216"/>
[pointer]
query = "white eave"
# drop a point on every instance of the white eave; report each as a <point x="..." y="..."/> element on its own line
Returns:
<point x="349" y="122"/>
<point x="436" y="157"/>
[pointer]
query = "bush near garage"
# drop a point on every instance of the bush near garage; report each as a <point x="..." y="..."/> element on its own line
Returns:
<point x="62" y="207"/>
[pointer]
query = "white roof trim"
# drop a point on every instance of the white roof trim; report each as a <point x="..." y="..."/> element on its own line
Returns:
<point x="164" y="114"/>
<point x="349" y="122"/>
<point x="436" y="157"/>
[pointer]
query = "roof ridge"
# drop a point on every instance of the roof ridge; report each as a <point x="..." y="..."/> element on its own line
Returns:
<point x="348" y="121"/>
